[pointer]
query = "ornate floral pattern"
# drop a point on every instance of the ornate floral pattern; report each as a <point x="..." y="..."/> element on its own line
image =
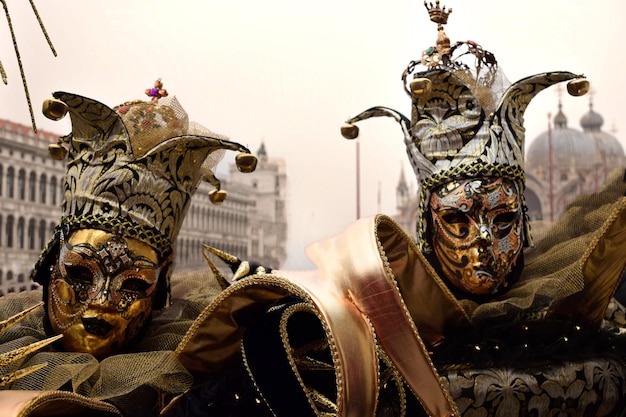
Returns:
<point x="595" y="387"/>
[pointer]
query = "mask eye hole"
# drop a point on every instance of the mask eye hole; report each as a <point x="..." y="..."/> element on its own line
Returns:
<point x="135" y="285"/>
<point x="504" y="220"/>
<point x="79" y="273"/>
<point x="456" y="218"/>
<point x="456" y="223"/>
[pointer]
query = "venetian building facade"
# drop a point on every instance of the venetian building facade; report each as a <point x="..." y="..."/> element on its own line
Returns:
<point x="30" y="201"/>
<point x="251" y="223"/>
<point x="31" y="184"/>
<point x="561" y="163"/>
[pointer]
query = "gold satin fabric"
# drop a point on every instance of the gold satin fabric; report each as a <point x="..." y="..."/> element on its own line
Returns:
<point x="214" y="341"/>
<point x="356" y="294"/>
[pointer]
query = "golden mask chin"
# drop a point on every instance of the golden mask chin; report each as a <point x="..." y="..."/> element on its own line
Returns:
<point x="101" y="291"/>
<point x="477" y="232"/>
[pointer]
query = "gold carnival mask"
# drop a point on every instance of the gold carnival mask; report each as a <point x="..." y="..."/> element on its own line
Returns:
<point x="101" y="291"/>
<point x="477" y="232"/>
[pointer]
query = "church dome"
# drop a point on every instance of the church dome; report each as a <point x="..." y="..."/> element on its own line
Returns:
<point x="608" y="147"/>
<point x="570" y="148"/>
<point x="591" y="121"/>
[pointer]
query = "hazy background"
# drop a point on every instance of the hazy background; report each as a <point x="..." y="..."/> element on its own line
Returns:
<point x="289" y="73"/>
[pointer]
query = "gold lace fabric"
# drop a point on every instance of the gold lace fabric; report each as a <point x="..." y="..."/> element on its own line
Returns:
<point x="131" y="381"/>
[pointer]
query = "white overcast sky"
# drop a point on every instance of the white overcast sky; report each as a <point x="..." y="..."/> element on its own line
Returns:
<point x="290" y="72"/>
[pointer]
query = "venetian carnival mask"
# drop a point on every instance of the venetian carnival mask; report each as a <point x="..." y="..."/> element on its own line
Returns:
<point x="101" y="291"/>
<point x="477" y="232"/>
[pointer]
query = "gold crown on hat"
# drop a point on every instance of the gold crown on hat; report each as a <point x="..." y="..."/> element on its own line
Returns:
<point x="133" y="169"/>
<point x="437" y="14"/>
<point x="466" y="118"/>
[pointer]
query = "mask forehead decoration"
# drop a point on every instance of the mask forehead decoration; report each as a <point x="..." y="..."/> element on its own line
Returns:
<point x="108" y="268"/>
<point x="466" y="118"/>
<point x="132" y="170"/>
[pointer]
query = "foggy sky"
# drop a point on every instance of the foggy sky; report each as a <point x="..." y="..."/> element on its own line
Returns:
<point x="289" y="73"/>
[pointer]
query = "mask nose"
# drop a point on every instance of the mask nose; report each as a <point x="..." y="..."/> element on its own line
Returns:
<point x="104" y="295"/>
<point x="485" y="234"/>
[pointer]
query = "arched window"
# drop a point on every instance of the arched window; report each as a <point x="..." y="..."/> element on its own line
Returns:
<point x="51" y="227"/>
<point x="43" y="184"/>
<point x="21" y="185"/>
<point x="20" y="278"/>
<point x="43" y="234"/>
<point x="32" y="186"/>
<point x="20" y="233"/>
<point x="9" y="231"/>
<point x="1" y="230"/>
<point x="32" y="225"/>
<point x="53" y="190"/>
<point x="10" y="182"/>
<point x="1" y="177"/>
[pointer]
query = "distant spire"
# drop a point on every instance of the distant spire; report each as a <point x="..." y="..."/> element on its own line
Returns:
<point x="560" y="121"/>
<point x="402" y="181"/>
<point x="262" y="152"/>
<point x="402" y="190"/>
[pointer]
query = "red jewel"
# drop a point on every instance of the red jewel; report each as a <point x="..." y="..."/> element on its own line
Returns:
<point x="157" y="92"/>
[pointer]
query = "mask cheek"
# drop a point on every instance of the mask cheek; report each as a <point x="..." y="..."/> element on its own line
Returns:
<point x="508" y="246"/>
<point x="136" y="316"/>
<point x="64" y="308"/>
<point x="64" y="291"/>
<point x="472" y="269"/>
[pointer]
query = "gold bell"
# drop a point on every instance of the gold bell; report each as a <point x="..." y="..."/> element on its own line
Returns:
<point x="349" y="131"/>
<point x="54" y="109"/>
<point x="246" y="162"/>
<point x="57" y="151"/>
<point x="578" y="87"/>
<point x="420" y="86"/>
<point x="217" y="197"/>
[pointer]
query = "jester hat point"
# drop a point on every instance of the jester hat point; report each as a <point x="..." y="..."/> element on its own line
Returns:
<point x="132" y="170"/>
